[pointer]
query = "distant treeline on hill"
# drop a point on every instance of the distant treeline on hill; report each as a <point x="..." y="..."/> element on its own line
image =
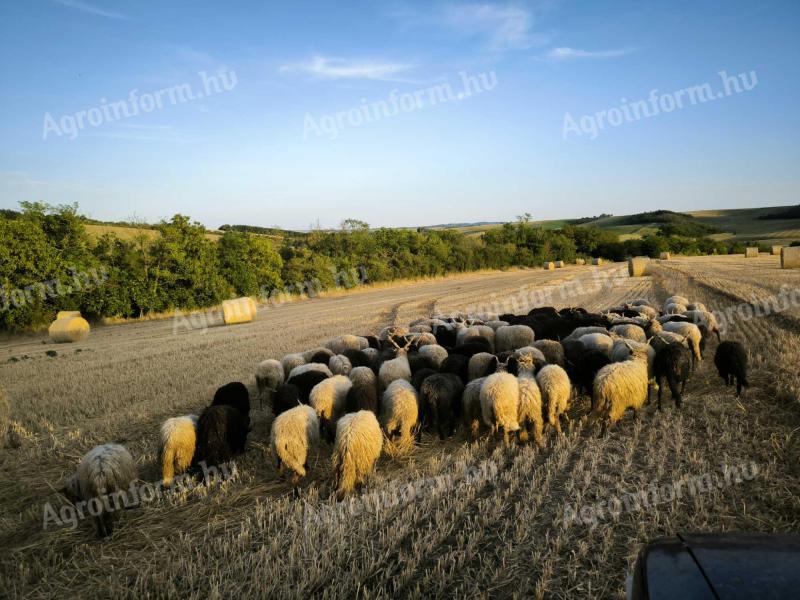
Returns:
<point x="584" y="220"/>
<point x="48" y="262"/>
<point x="790" y="213"/>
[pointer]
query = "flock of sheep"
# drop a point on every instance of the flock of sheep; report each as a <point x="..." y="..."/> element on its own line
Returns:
<point x="509" y="375"/>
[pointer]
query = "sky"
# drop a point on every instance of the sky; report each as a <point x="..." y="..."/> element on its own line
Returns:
<point x="293" y="114"/>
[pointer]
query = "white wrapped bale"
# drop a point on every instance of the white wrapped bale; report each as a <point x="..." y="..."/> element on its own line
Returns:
<point x="238" y="310"/>
<point x="71" y="329"/>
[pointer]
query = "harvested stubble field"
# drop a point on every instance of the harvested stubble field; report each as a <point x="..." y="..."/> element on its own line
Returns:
<point x="421" y="527"/>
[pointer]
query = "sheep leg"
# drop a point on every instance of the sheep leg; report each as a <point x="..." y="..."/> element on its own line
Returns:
<point x="557" y="423"/>
<point x="738" y="387"/>
<point x="475" y="429"/>
<point x="660" y="390"/>
<point x="537" y="435"/>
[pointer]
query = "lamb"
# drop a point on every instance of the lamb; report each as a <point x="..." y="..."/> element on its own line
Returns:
<point x="234" y="394"/>
<point x="289" y="362"/>
<point x="598" y="342"/>
<point x="553" y="351"/>
<point x="471" y="406"/>
<point x="329" y="399"/>
<point x="398" y="367"/>
<point x="692" y="333"/>
<point x="286" y="397"/>
<point x="440" y="397"/>
<point x="630" y="332"/>
<point x="293" y="433"/>
<point x="556" y="391"/>
<point x="672" y="363"/>
<point x="513" y="337"/>
<point x="340" y="365"/>
<point x="400" y="413"/>
<point x="435" y="353"/>
<point x="221" y="433"/>
<point x="620" y="386"/>
<point x="481" y="365"/>
<point x="305" y="377"/>
<point x="731" y="362"/>
<point x="356" y="450"/>
<point x="104" y="471"/>
<point x="177" y="444"/>
<point x="269" y="375"/>
<point x="500" y="403"/>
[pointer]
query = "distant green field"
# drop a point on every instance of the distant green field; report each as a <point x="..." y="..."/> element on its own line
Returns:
<point x="737" y="224"/>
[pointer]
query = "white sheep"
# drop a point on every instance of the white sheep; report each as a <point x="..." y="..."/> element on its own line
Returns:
<point x="329" y="399"/>
<point x="530" y="414"/>
<point x="538" y="357"/>
<point x="579" y="332"/>
<point x="290" y="361"/>
<point x="500" y="403"/>
<point x="177" y="441"/>
<point x="556" y="391"/>
<point x="422" y="339"/>
<point x="630" y="331"/>
<point x="396" y="368"/>
<point x="305" y="368"/>
<point x="420" y="328"/>
<point x="339" y="344"/>
<point x="697" y="306"/>
<point x="675" y="309"/>
<point x="363" y="376"/>
<point x="317" y="352"/>
<point x="356" y="450"/>
<point x="600" y="342"/>
<point x="676" y="300"/>
<point x="435" y="352"/>
<point x="513" y="337"/>
<point x="293" y="433"/>
<point x="645" y="311"/>
<point x="471" y="406"/>
<point x="270" y="374"/>
<point x="496" y="325"/>
<point x="692" y="333"/>
<point x="476" y="331"/>
<point x="479" y="364"/>
<point x="620" y="386"/>
<point x="103" y="477"/>
<point x="400" y="414"/>
<point x="340" y="365"/>
<point x="704" y="317"/>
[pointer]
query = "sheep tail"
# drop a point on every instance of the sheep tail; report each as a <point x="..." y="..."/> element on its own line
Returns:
<point x="344" y="473"/>
<point x="297" y="468"/>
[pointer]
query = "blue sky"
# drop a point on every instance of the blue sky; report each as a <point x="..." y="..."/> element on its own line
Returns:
<point x="267" y="148"/>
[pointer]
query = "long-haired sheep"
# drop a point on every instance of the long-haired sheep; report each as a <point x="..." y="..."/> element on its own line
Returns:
<point x="672" y="363"/>
<point x="289" y="362"/>
<point x="293" y="433"/>
<point x="358" y="358"/>
<point x="500" y="403"/>
<point x="418" y="378"/>
<point x="471" y="406"/>
<point x="435" y="352"/>
<point x="481" y="365"/>
<point x="513" y="337"/>
<point x="553" y="351"/>
<point x="177" y="441"/>
<point x="319" y="355"/>
<point x="705" y="318"/>
<point x="305" y="377"/>
<point x="269" y="375"/>
<point x="440" y="397"/>
<point x="458" y="365"/>
<point x="286" y="397"/>
<point x="731" y="362"/>
<point x="340" y="365"/>
<point x="676" y="300"/>
<point x="630" y="332"/>
<point x="396" y="368"/>
<point x="221" y="434"/>
<point x="356" y="450"/>
<point x="620" y="386"/>
<point x="234" y="394"/>
<point x="598" y="342"/>
<point x="364" y="393"/>
<point x="400" y="414"/>
<point x="339" y="344"/>
<point x="469" y="334"/>
<point x="556" y="391"/>
<point x="692" y="333"/>
<point x="103" y="471"/>
<point x="329" y="399"/>
<point x="579" y="332"/>
<point x="530" y="415"/>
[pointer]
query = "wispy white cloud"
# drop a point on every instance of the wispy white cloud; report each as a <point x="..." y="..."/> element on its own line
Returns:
<point x="143" y="133"/>
<point x="324" y="67"/>
<point x="88" y="8"/>
<point x="503" y="27"/>
<point x="575" y="53"/>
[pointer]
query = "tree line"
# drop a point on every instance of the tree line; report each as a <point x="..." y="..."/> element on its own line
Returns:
<point x="48" y="262"/>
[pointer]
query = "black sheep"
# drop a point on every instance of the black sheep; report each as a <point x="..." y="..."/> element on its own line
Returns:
<point x="731" y="362"/>
<point x="474" y="346"/>
<point x="306" y="381"/>
<point x="286" y="396"/>
<point x="418" y="377"/>
<point x="321" y="356"/>
<point x="457" y="364"/>
<point x="445" y="336"/>
<point x="440" y="397"/>
<point x="234" y="394"/>
<point x="673" y="363"/>
<point x="362" y="397"/>
<point x="585" y="370"/>
<point x="373" y="342"/>
<point x="221" y="434"/>
<point x="418" y="362"/>
<point x="358" y="358"/>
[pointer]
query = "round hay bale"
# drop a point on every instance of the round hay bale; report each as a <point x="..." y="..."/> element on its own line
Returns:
<point x="665" y="256"/>
<point x="580" y="261"/>
<point x="238" y="310"/>
<point x="790" y="257"/>
<point x="776" y="250"/>
<point x="597" y="261"/>
<point x="751" y="252"/>
<point x="71" y="329"/>
<point x="5" y="411"/>
<point x="637" y="266"/>
<point x="549" y="266"/>
<point x="253" y="307"/>
<point x="559" y="264"/>
<point x="66" y="314"/>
